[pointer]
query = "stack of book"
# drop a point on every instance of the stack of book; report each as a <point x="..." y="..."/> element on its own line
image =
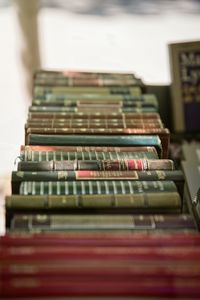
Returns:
<point x="96" y="191"/>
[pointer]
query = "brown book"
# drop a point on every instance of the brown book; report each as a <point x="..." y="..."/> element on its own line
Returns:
<point x="105" y="116"/>
<point x="86" y="148"/>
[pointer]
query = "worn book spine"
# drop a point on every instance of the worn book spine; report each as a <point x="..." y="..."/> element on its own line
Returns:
<point x="83" y="140"/>
<point x="19" y="176"/>
<point x="46" y="127"/>
<point x="93" y="109"/>
<point x="39" y="90"/>
<point x="42" y="148"/>
<point x="42" y="223"/>
<point x="84" y="82"/>
<point x="60" y="155"/>
<point x="163" y="133"/>
<point x="95" y="104"/>
<point x="81" y="123"/>
<point x="105" y="116"/>
<point x="98" y="187"/>
<point x="153" y="202"/>
<point x="145" y="99"/>
<point x="97" y="165"/>
<point x="43" y="73"/>
<point x="141" y="239"/>
<point x="96" y="97"/>
<point x="49" y="287"/>
<point x="104" y="137"/>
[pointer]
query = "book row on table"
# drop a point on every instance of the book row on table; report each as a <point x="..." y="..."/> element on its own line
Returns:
<point x="97" y="207"/>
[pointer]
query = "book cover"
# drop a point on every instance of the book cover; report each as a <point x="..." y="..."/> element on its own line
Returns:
<point x="185" y="86"/>
<point x="50" y="223"/>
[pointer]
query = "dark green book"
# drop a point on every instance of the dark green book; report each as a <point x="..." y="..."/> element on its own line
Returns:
<point x="115" y="223"/>
<point x="94" y="140"/>
<point x="20" y="176"/>
<point x="97" y="187"/>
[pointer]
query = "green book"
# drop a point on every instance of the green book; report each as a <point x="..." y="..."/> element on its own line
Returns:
<point x="20" y="176"/>
<point x="97" y="187"/>
<point x="90" y="155"/>
<point x="140" y="109"/>
<point x="141" y="202"/>
<point x="59" y="90"/>
<point x="94" y="140"/>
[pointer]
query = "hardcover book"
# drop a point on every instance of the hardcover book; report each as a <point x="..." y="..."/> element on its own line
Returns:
<point x="90" y="223"/>
<point x="185" y="86"/>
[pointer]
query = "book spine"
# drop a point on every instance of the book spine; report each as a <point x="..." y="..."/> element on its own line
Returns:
<point x="93" y="140"/>
<point x="133" y="255"/>
<point x="97" y="165"/>
<point x="104" y="149"/>
<point x="95" y="187"/>
<point x="84" y="82"/>
<point x="80" y="74"/>
<point x="147" y="202"/>
<point x="91" y="124"/>
<point x="19" y="176"/>
<point x="102" y="239"/>
<point x="58" y="155"/>
<point x="131" y="131"/>
<point x="46" y="222"/>
<point x="90" y="109"/>
<point x="163" y="133"/>
<point x="147" y="99"/>
<point x="52" y="287"/>
<point x="68" y="116"/>
<point x="39" y="90"/>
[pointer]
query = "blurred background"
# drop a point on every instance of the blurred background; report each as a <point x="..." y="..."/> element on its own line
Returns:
<point x="112" y="35"/>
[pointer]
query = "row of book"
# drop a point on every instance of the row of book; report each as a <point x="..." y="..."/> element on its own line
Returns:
<point x="97" y="208"/>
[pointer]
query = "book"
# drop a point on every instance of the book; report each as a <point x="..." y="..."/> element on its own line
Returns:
<point x="92" y="123"/>
<point x="96" y="82"/>
<point x="96" y="196"/>
<point x="97" y="187"/>
<point x="96" y="98"/>
<point x="59" y="90"/>
<point x="96" y="136"/>
<point x="19" y="176"/>
<point x="49" y="287"/>
<point x="185" y="76"/>
<point x="97" y="165"/>
<point x="191" y="172"/>
<point x="44" y="73"/>
<point x="141" y="239"/>
<point x="85" y="78"/>
<point x="93" y="109"/>
<point x="75" y="98"/>
<point x="106" y="116"/>
<point x="49" y="223"/>
<point x="84" y="140"/>
<point x="43" y="148"/>
<point x="140" y="203"/>
<point x="87" y="155"/>
<point x="40" y="153"/>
